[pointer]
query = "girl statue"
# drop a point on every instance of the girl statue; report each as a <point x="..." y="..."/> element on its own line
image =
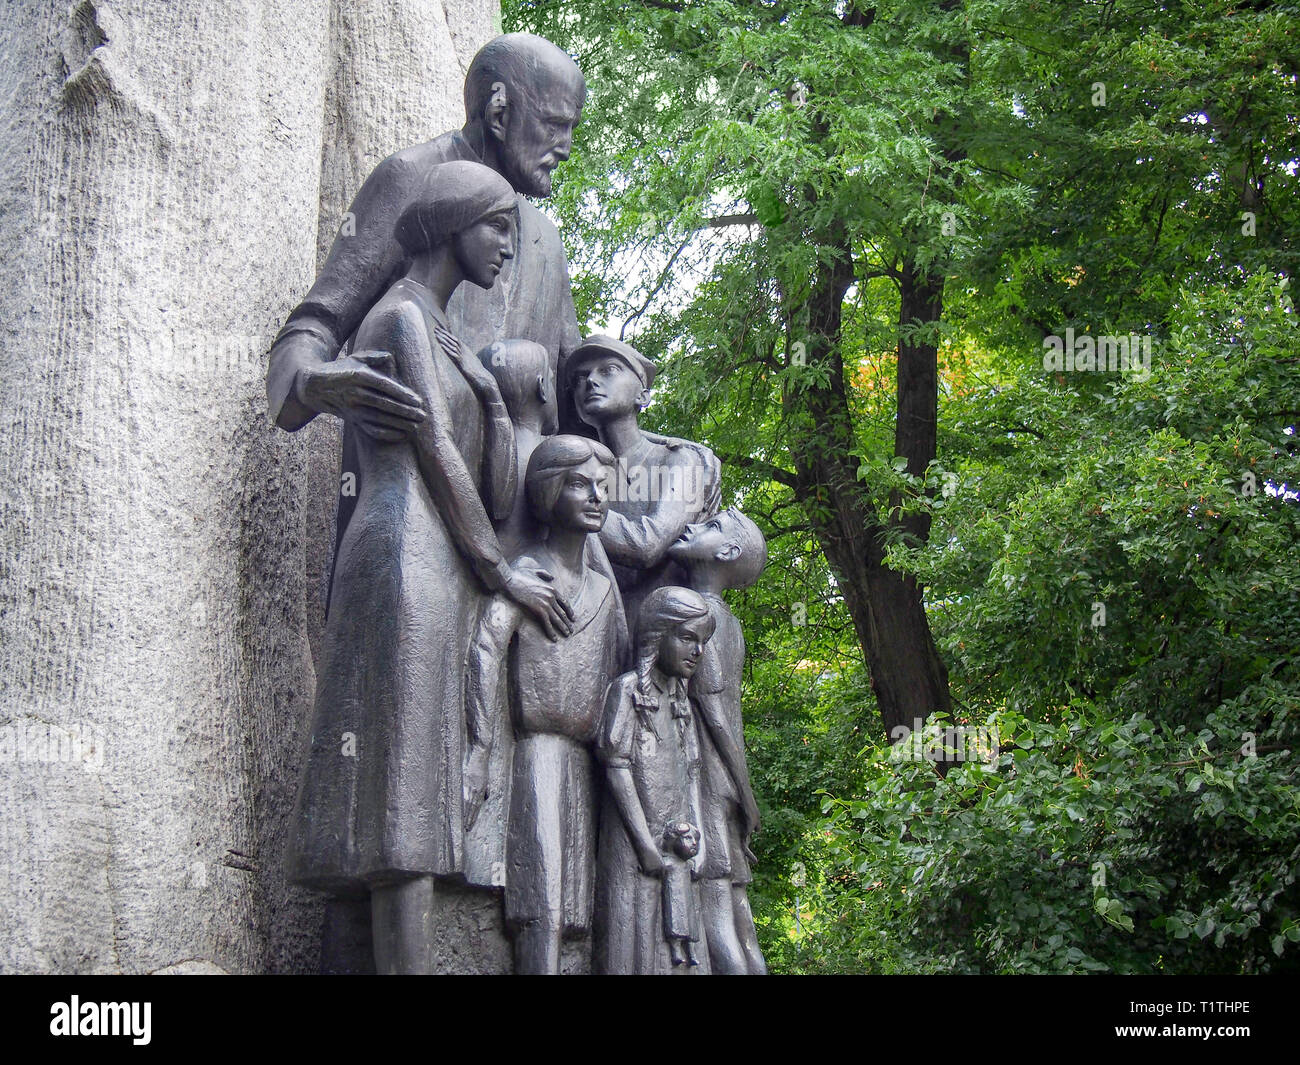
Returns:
<point x="647" y="897"/>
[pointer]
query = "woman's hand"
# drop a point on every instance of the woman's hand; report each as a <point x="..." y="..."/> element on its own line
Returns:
<point x="359" y="389"/>
<point x="532" y="589"/>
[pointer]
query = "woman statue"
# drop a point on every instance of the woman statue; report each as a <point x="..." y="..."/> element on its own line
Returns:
<point x="380" y="805"/>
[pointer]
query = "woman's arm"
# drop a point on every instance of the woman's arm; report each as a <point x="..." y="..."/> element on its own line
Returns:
<point x="399" y="327"/>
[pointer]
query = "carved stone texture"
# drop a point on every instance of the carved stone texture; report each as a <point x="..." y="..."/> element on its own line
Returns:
<point x="161" y="183"/>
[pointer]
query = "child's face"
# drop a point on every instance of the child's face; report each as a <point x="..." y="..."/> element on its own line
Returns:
<point x="681" y="647"/>
<point x="703" y="541"/>
<point x="605" y="388"/>
<point x="583" y="501"/>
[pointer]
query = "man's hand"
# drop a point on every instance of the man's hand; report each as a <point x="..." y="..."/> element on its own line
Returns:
<point x="532" y="589"/>
<point x="476" y="782"/>
<point x="359" y="388"/>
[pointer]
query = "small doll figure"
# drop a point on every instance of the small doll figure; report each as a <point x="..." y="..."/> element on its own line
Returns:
<point x="681" y="918"/>
<point x="648" y="901"/>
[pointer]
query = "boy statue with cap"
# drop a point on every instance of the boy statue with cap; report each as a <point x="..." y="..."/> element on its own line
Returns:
<point x="660" y="485"/>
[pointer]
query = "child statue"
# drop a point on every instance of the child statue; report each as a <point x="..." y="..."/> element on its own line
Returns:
<point x="728" y="551"/>
<point x="647" y="907"/>
<point x="555" y="696"/>
<point x="660" y="485"/>
<point x="522" y="370"/>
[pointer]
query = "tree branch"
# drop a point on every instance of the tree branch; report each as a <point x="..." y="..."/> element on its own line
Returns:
<point x="663" y="278"/>
<point x="773" y="473"/>
<point x="733" y="220"/>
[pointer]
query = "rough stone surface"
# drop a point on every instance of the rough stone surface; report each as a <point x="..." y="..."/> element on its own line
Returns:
<point x="169" y="177"/>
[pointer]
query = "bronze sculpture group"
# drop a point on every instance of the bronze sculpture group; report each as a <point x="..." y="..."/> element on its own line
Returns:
<point x="526" y="640"/>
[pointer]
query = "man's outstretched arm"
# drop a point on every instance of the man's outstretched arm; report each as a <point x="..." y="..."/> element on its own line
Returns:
<point x="305" y="376"/>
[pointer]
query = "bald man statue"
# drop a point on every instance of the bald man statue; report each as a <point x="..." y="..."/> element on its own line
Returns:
<point x="523" y="96"/>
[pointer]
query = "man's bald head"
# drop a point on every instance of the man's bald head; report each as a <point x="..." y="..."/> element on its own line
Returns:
<point x="519" y="60"/>
<point x="523" y="96"/>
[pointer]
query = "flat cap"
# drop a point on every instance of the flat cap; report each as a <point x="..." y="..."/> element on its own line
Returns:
<point x="598" y="346"/>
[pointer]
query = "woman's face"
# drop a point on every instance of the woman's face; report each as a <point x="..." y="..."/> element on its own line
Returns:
<point x="485" y="246"/>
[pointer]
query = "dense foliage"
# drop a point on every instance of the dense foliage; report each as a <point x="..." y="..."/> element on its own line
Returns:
<point x="1111" y="572"/>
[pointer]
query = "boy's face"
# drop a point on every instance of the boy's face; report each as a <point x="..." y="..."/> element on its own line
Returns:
<point x="682" y="645"/>
<point x="605" y="388"/>
<point x="704" y="542"/>
<point x="583" y="501"/>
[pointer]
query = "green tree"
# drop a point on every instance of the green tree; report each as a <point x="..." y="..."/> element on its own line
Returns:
<point x="847" y="230"/>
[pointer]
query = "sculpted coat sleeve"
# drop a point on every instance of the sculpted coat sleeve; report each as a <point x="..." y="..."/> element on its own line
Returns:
<point x="569" y="339"/>
<point x="487" y="712"/>
<point x="641" y="541"/>
<point x="361" y="262"/>
<point x="485" y="708"/>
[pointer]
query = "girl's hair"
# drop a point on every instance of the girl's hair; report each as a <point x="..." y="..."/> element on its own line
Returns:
<point x="663" y="610"/>
<point x="554" y="457"/>
<point x="450" y="198"/>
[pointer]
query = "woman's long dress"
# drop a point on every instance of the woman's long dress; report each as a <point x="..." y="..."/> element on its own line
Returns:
<point x="381" y="795"/>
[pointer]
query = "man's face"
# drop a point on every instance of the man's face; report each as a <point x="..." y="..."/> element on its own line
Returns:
<point x="702" y="542"/>
<point x="605" y="388"/>
<point x="583" y="501"/>
<point x="485" y="246"/>
<point x="539" y="134"/>
<point x="681" y="647"/>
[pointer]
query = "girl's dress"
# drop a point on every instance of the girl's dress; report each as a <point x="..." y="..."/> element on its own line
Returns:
<point x="657" y="740"/>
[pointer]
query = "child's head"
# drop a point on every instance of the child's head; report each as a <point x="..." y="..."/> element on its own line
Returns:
<point x="729" y="542"/>
<point x="567" y="483"/>
<point x="609" y="380"/>
<point x="522" y="370"/>
<point x="671" y="630"/>
<point x="682" y="838"/>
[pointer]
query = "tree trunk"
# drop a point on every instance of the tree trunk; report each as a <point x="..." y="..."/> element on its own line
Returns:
<point x="907" y="675"/>
<point x="164" y="172"/>
<point x="909" y="667"/>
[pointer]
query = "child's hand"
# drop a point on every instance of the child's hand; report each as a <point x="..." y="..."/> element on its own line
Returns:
<point x="476" y="782"/>
<point x="652" y="862"/>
